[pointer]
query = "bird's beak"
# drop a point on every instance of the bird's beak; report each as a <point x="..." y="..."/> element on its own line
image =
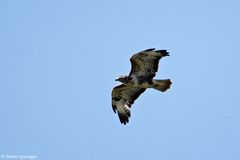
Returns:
<point x="116" y="79"/>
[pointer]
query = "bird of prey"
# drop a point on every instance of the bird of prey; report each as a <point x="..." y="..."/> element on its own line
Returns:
<point x="144" y="68"/>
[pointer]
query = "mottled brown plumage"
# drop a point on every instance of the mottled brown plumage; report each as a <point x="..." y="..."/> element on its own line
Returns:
<point x="144" y="68"/>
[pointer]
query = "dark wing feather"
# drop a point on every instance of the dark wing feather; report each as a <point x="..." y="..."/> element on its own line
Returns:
<point x="145" y="63"/>
<point x="147" y="50"/>
<point x="128" y="95"/>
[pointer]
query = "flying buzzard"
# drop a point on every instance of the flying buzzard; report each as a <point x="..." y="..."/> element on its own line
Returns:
<point x="144" y="68"/>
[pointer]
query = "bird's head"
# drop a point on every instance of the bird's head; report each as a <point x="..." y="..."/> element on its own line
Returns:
<point x="123" y="79"/>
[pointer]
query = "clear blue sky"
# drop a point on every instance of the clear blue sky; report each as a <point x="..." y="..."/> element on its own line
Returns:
<point x="59" y="60"/>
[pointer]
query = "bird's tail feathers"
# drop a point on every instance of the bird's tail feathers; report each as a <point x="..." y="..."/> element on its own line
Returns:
<point x="124" y="113"/>
<point x="162" y="85"/>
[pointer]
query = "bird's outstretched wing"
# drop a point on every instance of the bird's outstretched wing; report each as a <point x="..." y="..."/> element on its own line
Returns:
<point x="145" y="63"/>
<point x="123" y="97"/>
